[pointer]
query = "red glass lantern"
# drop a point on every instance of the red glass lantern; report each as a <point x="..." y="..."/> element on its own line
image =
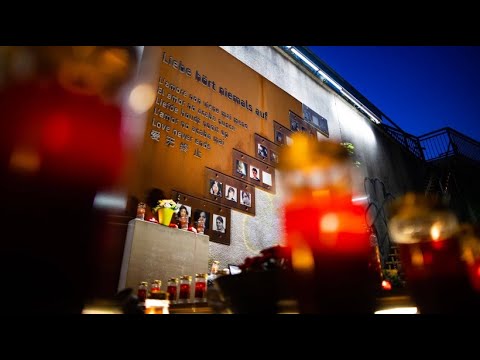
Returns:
<point x="325" y="230"/>
<point x="430" y="247"/>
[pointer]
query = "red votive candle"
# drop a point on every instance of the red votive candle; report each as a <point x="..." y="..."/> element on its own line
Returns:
<point x="201" y="287"/>
<point x="172" y="289"/>
<point x="330" y="254"/>
<point x="142" y="291"/>
<point x="185" y="283"/>
<point x="325" y="230"/>
<point x="183" y="222"/>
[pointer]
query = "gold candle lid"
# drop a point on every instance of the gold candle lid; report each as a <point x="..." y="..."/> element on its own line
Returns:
<point x="307" y="152"/>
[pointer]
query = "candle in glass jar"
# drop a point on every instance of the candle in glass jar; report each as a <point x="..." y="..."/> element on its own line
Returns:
<point x="470" y="244"/>
<point x="142" y="291"/>
<point x="201" y="287"/>
<point x="330" y="255"/>
<point x="329" y="223"/>
<point x="324" y="229"/>
<point x="436" y="275"/>
<point x="155" y="289"/>
<point x="172" y="289"/>
<point x="141" y="211"/>
<point x="183" y="222"/>
<point x="200" y="225"/>
<point x="185" y="283"/>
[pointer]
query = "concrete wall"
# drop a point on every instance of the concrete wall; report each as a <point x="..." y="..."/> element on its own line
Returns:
<point x="383" y="161"/>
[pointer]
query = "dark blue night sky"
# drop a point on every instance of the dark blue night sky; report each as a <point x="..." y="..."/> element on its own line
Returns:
<point x="421" y="88"/>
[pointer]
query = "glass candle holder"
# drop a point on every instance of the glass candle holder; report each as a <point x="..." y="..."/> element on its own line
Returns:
<point x="200" y="226"/>
<point x="431" y="255"/>
<point x="156" y="306"/>
<point x="185" y="288"/>
<point x="155" y="289"/>
<point x="470" y="245"/>
<point x="183" y="220"/>
<point x="324" y="229"/>
<point x="214" y="268"/>
<point x="141" y="211"/>
<point x="172" y="290"/>
<point x="200" y="288"/>
<point x="142" y="291"/>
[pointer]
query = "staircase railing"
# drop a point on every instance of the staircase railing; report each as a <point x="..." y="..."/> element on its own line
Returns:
<point x="447" y="142"/>
<point x="408" y="141"/>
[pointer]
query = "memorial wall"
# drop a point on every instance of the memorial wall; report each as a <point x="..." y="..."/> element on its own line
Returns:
<point x="212" y="137"/>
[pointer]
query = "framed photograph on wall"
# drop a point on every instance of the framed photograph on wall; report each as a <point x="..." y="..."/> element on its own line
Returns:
<point x="245" y="198"/>
<point x="187" y="208"/>
<point x="262" y="151"/>
<point x="294" y="125"/>
<point x="279" y="137"/>
<point x="273" y="156"/>
<point x="230" y="193"/>
<point x="241" y="168"/>
<point x="216" y="188"/>
<point x="204" y="215"/>
<point x="318" y="121"/>
<point x="219" y="223"/>
<point x="254" y="173"/>
<point x="267" y="178"/>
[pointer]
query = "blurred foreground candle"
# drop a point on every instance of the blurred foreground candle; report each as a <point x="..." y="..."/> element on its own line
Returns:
<point x="325" y="230"/>
<point x="470" y="243"/>
<point x="156" y="306"/>
<point x="431" y="255"/>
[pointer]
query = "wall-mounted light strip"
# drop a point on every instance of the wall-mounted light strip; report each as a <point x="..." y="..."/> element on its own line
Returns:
<point x="361" y="106"/>
<point x="304" y="59"/>
<point x="315" y="68"/>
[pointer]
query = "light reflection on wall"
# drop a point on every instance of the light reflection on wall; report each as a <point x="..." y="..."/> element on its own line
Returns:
<point x="354" y="126"/>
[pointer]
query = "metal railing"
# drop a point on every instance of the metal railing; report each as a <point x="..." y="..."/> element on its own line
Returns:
<point x="447" y="142"/>
<point x="408" y="141"/>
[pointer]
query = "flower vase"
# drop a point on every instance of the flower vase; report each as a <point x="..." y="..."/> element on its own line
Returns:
<point x="165" y="216"/>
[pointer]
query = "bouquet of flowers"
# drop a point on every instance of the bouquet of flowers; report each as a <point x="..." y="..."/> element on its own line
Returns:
<point x="169" y="204"/>
<point x="165" y="210"/>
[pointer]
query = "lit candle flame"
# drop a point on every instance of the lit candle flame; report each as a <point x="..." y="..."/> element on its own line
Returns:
<point x="329" y="223"/>
<point x="435" y="231"/>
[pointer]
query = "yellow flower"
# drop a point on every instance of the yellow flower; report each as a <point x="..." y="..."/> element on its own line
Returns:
<point x="169" y="203"/>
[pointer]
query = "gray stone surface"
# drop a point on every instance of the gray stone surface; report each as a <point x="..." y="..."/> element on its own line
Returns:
<point x="154" y="251"/>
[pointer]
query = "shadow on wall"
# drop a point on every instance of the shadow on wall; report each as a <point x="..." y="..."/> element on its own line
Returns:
<point x="378" y="200"/>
